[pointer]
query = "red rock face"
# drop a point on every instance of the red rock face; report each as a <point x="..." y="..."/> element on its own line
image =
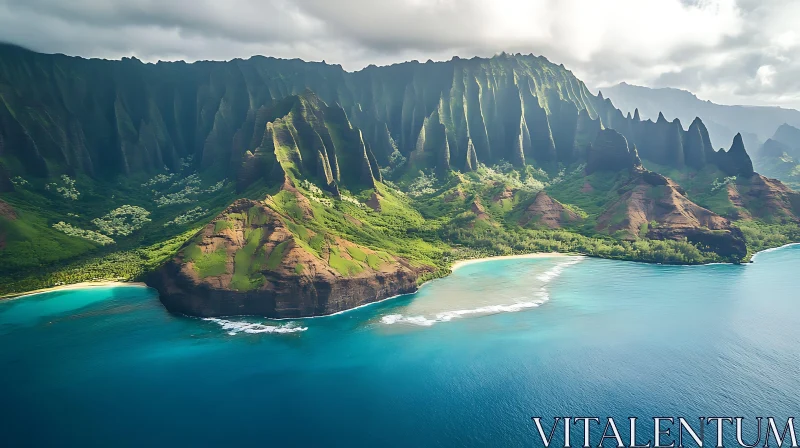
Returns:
<point x="374" y="202"/>
<point x="544" y="211"/>
<point x="298" y="284"/>
<point x="766" y="198"/>
<point x="655" y="207"/>
<point x="6" y="211"/>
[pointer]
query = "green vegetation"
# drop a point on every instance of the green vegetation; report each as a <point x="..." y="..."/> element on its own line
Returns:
<point x="222" y="225"/>
<point x="374" y="261"/>
<point x="247" y="262"/>
<point x="761" y="236"/>
<point x="356" y="253"/>
<point x="276" y="255"/>
<point x="342" y="265"/>
<point x="207" y="264"/>
<point x="120" y="266"/>
<point x="188" y="217"/>
<point x="66" y="189"/>
<point x="460" y="185"/>
<point x="123" y="220"/>
<point x="89" y="235"/>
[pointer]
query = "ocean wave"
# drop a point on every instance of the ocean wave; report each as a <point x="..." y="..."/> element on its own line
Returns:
<point x="447" y="316"/>
<point x="233" y="327"/>
<point x="766" y="251"/>
<point x="552" y="273"/>
<point x="542" y="296"/>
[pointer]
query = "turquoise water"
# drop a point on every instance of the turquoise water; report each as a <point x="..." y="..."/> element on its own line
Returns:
<point x="466" y="361"/>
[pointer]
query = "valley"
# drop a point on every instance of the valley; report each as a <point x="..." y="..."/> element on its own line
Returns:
<point x="287" y="188"/>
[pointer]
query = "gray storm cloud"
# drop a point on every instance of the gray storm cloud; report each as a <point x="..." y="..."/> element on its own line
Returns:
<point x="729" y="51"/>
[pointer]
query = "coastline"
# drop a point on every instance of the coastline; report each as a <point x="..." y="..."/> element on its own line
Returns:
<point x="753" y="258"/>
<point x="462" y="263"/>
<point x="456" y="265"/>
<point x="81" y="285"/>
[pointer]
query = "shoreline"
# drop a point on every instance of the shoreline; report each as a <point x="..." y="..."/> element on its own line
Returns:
<point x="753" y="258"/>
<point x="456" y="265"/>
<point x="80" y="285"/>
<point x="461" y="263"/>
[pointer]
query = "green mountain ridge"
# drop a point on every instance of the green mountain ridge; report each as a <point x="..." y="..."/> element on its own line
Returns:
<point x="114" y="165"/>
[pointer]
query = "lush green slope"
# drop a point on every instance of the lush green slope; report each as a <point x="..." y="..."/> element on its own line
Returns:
<point x="104" y="162"/>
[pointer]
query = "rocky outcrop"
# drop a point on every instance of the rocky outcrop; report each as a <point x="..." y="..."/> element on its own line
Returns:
<point x="251" y="261"/>
<point x="456" y="195"/>
<point x="768" y="199"/>
<point x="303" y="136"/>
<point x="374" y="202"/>
<point x="655" y="207"/>
<point x="698" y="145"/>
<point x="6" y="211"/>
<point x="547" y="212"/>
<point x="666" y="143"/>
<point x="736" y="161"/>
<point x="610" y="152"/>
<point x="480" y="212"/>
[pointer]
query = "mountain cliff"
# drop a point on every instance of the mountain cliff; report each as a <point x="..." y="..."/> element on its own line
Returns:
<point x="251" y="260"/>
<point x="755" y="123"/>
<point x="370" y="181"/>
<point x="63" y="115"/>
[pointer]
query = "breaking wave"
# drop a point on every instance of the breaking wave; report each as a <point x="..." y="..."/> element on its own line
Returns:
<point x="766" y="251"/>
<point x="553" y="273"/>
<point x="233" y="327"/>
<point x="446" y="316"/>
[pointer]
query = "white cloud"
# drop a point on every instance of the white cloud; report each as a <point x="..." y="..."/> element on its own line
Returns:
<point x="765" y="75"/>
<point x="716" y="48"/>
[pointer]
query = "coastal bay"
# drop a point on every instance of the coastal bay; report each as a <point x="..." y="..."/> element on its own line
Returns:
<point x="466" y="360"/>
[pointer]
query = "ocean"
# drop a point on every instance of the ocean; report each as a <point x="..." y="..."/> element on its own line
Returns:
<point x="466" y="361"/>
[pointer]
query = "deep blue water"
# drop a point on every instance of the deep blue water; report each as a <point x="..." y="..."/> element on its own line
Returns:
<point x="467" y="361"/>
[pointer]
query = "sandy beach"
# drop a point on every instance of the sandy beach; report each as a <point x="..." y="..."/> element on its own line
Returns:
<point x="82" y="285"/>
<point x="462" y="263"/>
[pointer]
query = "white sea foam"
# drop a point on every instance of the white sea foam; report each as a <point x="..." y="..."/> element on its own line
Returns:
<point x="772" y="250"/>
<point x="542" y="296"/>
<point x="552" y="273"/>
<point x="233" y="327"/>
<point x="447" y="316"/>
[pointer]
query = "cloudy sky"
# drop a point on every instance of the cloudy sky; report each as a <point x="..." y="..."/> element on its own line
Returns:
<point x="727" y="51"/>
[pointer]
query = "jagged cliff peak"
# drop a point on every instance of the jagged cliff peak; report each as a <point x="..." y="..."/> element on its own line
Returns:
<point x="610" y="152"/>
<point x="306" y="138"/>
<point x="738" y="161"/>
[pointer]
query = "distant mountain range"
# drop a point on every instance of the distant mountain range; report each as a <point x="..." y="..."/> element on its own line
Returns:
<point x="755" y="123"/>
<point x="779" y="156"/>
